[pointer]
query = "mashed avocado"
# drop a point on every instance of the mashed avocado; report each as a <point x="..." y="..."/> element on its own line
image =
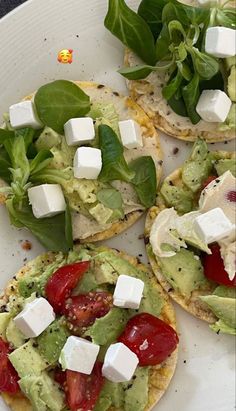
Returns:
<point x="184" y="270"/>
<point x="34" y="359"/>
<point x="80" y="193"/>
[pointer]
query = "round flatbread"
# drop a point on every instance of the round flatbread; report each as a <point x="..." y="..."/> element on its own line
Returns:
<point x="148" y="94"/>
<point x="87" y="229"/>
<point x="193" y="304"/>
<point x="160" y="375"/>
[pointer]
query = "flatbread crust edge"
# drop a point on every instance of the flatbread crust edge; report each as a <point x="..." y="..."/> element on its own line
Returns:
<point x="185" y="131"/>
<point x="149" y="130"/>
<point x="192" y="305"/>
<point x="160" y="375"/>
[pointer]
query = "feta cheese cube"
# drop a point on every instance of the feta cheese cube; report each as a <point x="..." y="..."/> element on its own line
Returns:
<point x="131" y="135"/>
<point x="87" y="163"/>
<point x="79" y="131"/>
<point x="120" y="363"/>
<point x="79" y="355"/>
<point x="47" y="200"/>
<point x="35" y="318"/>
<point x="213" y="106"/>
<point x="23" y="115"/>
<point x="220" y="42"/>
<point x="128" y="292"/>
<point x="213" y="225"/>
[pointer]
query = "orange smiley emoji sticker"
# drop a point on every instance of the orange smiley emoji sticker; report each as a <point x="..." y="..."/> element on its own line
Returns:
<point x="65" y="56"/>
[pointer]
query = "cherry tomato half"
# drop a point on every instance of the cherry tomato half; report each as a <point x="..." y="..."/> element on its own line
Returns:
<point x="150" y="338"/>
<point x="8" y="375"/>
<point x="82" y="391"/>
<point x="82" y="310"/>
<point x="60" y="376"/>
<point x="62" y="282"/>
<point x="214" y="267"/>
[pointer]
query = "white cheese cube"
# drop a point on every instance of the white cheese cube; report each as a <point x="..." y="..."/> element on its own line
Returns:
<point x="47" y="200"/>
<point x="120" y="363"/>
<point x="79" y="131"/>
<point x="213" y="106"/>
<point x="220" y="41"/>
<point x="23" y="115"/>
<point x="87" y="163"/>
<point x="131" y="135"/>
<point x="35" y="318"/>
<point x="128" y="292"/>
<point x="79" y="355"/>
<point x="213" y="225"/>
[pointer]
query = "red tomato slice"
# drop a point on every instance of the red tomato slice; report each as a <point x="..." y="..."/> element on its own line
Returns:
<point x="208" y="181"/>
<point x="150" y="338"/>
<point x="60" y="376"/>
<point x="82" y="310"/>
<point x="214" y="267"/>
<point x="8" y="375"/>
<point x="82" y="391"/>
<point x="62" y="282"/>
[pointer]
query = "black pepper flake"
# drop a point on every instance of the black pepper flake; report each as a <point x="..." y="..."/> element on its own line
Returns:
<point x="218" y="332"/>
<point x="160" y="162"/>
<point x="179" y="269"/>
<point x="185" y="361"/>
<point x="171" y="183"/>
<point x="146" y="240"/>
<point x="3" y="309"/>
<point x="151" y="93"/>
<point x="116" y="93"/>
<point x="175" y="150"/>
<point x="100" y="86"/>
<point x="35" y="345"/>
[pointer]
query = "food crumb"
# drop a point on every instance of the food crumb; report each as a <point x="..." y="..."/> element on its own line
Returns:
<point x="175" y="150"/>
<point x="185" y="361"/>
<point x="26" y="245"/>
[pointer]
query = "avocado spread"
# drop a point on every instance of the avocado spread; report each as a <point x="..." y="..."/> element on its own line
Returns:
<point x="36" y="358"/>
<point x="83" y="194"/>
<point x="182" y="266"/>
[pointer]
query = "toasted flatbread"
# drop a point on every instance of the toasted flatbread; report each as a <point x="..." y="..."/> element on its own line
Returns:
<point x="160" y="376"/>
<point x="148" y="94"/>
<point x="86" y="229"/>
<point x="193" y="304"/>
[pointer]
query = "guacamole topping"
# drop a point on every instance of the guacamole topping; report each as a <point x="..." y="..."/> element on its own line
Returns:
<point x="178" y="246"/>
<point x="36" y="359"/>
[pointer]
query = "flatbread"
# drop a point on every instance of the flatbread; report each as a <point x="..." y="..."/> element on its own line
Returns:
<point x="160" y="376"/>
<point x="193" y="304"/>
<point x="86" y="229"/>
<point x="148" y="94"/>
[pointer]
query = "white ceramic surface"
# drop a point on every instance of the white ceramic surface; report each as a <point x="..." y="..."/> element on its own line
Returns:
<point x="30" y="39"/>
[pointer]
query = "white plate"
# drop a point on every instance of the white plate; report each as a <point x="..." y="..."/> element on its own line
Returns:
<point x="31" y="37"/>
